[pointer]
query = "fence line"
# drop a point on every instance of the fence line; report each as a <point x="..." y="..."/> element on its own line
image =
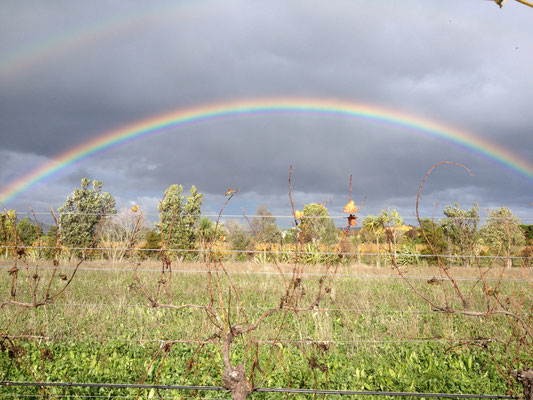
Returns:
<point x="351" y="275"/>
<point x="355" y="310"/>
<point x="275" y="252"/>
<point x="109" y="396"/>
<point x="320" y="309"/>
<point x="268" y="390"/>
<point x="78" y="396"/>
<point x="344" y="274"/>
<point x="245" y="215"/>
<point x="163" y="342"/>
<point x="179" y="216"/>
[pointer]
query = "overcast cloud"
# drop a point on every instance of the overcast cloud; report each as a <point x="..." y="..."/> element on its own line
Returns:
<point x="72" y="70"/>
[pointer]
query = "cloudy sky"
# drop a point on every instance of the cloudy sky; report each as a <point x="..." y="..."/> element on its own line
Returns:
<point x="73" y="70"/>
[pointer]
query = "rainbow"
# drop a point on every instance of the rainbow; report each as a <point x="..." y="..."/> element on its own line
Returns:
<point x="31" y="54"/>
<point x="250" y="107"/>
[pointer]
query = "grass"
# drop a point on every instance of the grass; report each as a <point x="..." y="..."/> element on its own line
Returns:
<point x="379" y="335"/>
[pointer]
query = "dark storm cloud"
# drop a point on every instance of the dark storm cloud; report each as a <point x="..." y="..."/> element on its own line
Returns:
<point x="465" y="64"/>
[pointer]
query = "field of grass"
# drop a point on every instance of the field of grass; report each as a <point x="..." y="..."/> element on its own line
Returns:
<point x="371" y="332"/>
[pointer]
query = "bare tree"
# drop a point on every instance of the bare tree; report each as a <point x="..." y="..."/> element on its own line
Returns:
<point x="120" y="233"/>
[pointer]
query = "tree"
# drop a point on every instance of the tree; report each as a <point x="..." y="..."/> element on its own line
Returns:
<point x="290" y="235"/>
<point x="122" y="232"/>
<point x="460" y="227"/>
<point x="207" y="235"/>
<point x="392" y="225"/>
<point x="502" y="233"/>
<point x="264" y="226"/>
<point x="152" y="244"/>
<point x="435" y="236"/>
<point x="206" y="230"/>
<point x="528" y="231"/>
<point x="7" y="231"/>
<point x="178" y="215"/>
<point x="83" y="213"/>
<point x="28" y="232"/>
<point x="316" y="226"/>
<point x="239" y="238"/>
<point x="50" y="243"/>
<point x="373" y="224"/>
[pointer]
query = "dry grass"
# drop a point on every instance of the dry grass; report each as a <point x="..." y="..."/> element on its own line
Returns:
<point x="366" y="304"/>
<point x="362" y="270"/>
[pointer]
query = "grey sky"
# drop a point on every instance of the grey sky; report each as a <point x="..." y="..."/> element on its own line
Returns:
<point x="85" y="68"/>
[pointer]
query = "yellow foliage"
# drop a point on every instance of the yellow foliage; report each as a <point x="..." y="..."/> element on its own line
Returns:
<point x="350" y="207"/>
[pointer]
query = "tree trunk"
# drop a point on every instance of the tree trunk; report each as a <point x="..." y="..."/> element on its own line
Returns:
<point x="525" y="378"/>
<point x="234" y="379"/>
<point x="377" y="251"/>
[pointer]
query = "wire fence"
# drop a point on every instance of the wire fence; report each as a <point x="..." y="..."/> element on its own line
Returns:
<point x="5" y="385"/>
<point x="108" y="396"/>
<point x="262" y="216"/>
<point x="307" y="341"/>
<point x="278" y="273"/>
<point x="400" y="252"/>
<point x="121" y="305"/>
<point x="242" y="215"/>
<point x="264" y="390"/>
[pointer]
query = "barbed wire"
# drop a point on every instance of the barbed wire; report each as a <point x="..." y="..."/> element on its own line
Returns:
<point x="274" y="252"/>
<point x="271" y="390"/>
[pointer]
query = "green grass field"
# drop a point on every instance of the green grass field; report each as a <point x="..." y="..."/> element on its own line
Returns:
<point x="371" y="332"/>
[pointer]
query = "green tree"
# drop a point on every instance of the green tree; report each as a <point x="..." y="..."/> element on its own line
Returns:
<point x="50" y="243"/>
<point x="151" y="245"/>
<point x="502" y="233"/>
<point x="290" y="235"/>
<point x="373" y="223"/>
<point x="435" y="237"/>
<point x="206" y="231"/>
<point x="83" y="213"/>
<point x="316" y="225"/>
<point x="207" y="234"/>
<point x="178" y="216"/>
<point x="460" y="228"/>
<point x="28" y="232"/>
<point x="528" y="231"/>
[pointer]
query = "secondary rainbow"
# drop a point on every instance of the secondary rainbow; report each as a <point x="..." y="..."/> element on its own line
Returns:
<point x="250" y="107"/>
<point x="34" y="53"/>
